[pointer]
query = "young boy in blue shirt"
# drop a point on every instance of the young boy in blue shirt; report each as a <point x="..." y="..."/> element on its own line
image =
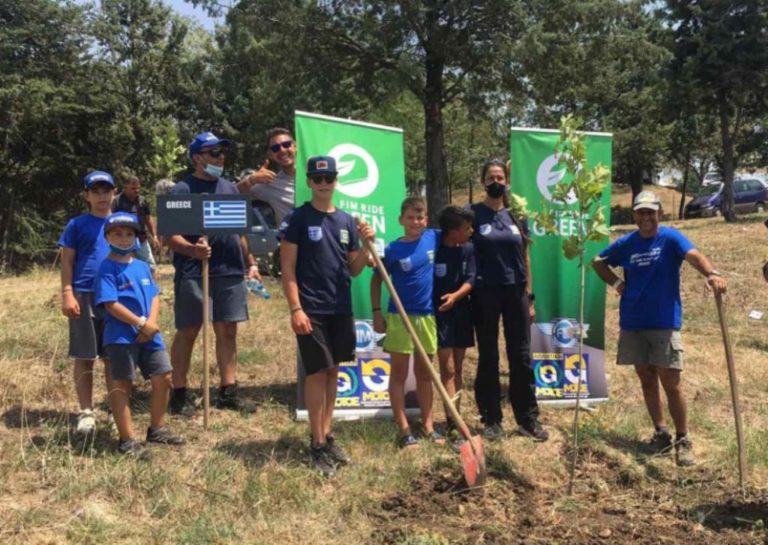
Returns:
<point x="410" y="263"/>
<point x="454" y="279"/>
<point x="319" y="255"/>
<point x="82" y="250"/>
<point x="127" y="290"/>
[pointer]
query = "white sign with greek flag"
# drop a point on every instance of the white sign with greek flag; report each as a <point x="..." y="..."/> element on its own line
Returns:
<point x="229" y="214"/>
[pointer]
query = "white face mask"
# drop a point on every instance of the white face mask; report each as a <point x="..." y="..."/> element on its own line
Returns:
<point x="213" y="170"/>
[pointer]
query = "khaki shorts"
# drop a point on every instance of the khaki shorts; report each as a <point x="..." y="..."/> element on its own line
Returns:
<point x="658" y="347"/>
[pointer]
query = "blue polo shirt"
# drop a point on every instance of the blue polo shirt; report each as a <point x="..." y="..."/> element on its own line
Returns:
<point x="226" y="254"/>
<point x="85" y="235"/>
<point x="324" y="241"/>
<point x="499" y="251"/>
<point x="410" y="265"/>
<point x="651" y="298"/>
<point x="131" y="285"/>
<point x="454" y="267"/>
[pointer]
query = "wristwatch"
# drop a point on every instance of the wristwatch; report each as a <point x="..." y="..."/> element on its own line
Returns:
<point x="714" y="272"/>
<point x="142" y="322"/>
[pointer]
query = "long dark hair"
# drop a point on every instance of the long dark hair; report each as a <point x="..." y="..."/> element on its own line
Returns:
<point x="505" y="198"/>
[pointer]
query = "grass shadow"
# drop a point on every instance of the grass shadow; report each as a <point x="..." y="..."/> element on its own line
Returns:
<point x="283" y="394"/>
<point x="287" y="450"/>
<point x="732" y="514"/>
<point x="18" y="417"/>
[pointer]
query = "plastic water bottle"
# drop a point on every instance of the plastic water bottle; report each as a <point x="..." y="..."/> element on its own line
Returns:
<point x="257" y="288"/>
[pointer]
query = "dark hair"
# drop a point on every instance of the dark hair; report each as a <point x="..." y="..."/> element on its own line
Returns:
<point x="276" y="131"/>
<point x="455" y="217"/>
<point x="131" y="180"/>
<point x="501" y="164"/>
<point x="417" y="204"/>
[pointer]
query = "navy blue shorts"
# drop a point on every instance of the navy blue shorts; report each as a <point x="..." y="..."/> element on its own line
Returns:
<point x="454" y="327"/>
<point x="125" y="358"/>
<point x="228" y="300"/>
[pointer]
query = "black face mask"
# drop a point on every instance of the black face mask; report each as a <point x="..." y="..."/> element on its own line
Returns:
<point x="495" y="190"/>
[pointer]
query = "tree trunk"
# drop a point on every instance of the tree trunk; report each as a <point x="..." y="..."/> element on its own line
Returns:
<point x="636" y="180"/>
<point x="685" y="184"/>
<point x="437" y="174"/>
<point x="729" y="166"/>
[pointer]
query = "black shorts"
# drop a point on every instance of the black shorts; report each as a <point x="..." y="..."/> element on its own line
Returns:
<point x="454" y="328"/>
<point x="331" y="342"/>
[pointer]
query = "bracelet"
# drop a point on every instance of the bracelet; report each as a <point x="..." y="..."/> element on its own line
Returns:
<point x="254" y="266"/>
<point x="68" y="288"/>
<point x="295" y="310"/>
<point x="142" y="322"/>
<point x="377" y="309"/>
<point x="714" y="272"/>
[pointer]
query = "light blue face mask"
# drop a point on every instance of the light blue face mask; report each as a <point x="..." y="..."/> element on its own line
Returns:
<point x="213" y="170"/>
<point x="122" y="251"/>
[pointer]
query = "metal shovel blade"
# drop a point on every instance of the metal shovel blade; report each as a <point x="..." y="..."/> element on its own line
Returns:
<point x="473" y="461"/>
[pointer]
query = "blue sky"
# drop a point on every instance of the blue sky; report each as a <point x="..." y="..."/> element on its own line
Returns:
<point x="185" y="8"/>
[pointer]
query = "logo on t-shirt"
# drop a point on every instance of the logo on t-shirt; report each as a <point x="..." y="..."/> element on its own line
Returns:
<point x="145" y="281"/>
<point x="283" y="226"/>
<point x="344" y="236"/>
<point x="485" y="229"/>
<point x="431" y="255"/>
<point x="315" y="233"/>
<point x="406" y="264"/>
<point x="514" y="229"/>
<point x="440" y="269"/>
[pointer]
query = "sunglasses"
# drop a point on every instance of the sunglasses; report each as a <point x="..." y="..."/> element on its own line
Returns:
<point x="215" y="153"/>
<point x="274" y="148"/>
<point x="323" y="178"/>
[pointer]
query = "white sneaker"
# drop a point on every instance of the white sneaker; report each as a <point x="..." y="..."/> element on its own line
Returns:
<point x="86" y="422"/>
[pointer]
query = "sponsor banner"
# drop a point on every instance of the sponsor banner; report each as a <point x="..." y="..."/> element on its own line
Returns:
<point x="554" y="336"/>
<point x="371" y="186"/>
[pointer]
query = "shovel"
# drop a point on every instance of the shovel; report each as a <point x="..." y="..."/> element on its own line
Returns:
<point x="734" y="388"/>
<point x="472" y="457"/>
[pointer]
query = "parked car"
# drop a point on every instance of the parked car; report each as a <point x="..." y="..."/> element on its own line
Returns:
<point x="262" y="240"/>
<point x="749" y="195"/>
<point x="712" y="178"/>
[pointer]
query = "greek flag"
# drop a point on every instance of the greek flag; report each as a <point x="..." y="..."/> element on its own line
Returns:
<point x="226" y="214"/>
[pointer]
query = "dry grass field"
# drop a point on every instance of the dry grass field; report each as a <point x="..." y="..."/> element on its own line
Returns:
<point x="246" y="479"/>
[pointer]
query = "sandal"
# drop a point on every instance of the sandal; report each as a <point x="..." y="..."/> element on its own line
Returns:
<point x="407" y="440"/>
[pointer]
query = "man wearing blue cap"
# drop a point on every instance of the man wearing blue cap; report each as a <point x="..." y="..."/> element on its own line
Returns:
<point x="650" y="315"/>
<point x="319" y="254"/>
<point x="83" y="248"/>
<point x="227" y="255"/>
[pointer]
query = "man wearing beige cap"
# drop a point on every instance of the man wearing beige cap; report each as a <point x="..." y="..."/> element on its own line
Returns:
<point x="650" y="314"/>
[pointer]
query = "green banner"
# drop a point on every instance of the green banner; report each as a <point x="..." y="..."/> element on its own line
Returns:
<point x="535" y="171"/>
<point x="371" y="186"/>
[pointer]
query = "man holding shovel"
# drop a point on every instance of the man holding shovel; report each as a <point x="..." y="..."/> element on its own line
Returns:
<point x="228" y="294"/>
<point x="650" y="314"/>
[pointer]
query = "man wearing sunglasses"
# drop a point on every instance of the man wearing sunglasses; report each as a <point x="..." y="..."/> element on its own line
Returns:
<point x="275" y="187"/>
<point x="228" y="294"/>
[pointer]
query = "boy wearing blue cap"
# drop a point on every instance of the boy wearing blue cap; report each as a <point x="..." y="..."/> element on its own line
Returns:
<point x="82" y="250"/>
<point x="227" y="255"/>
<point x="319" y="255"/>
<point x="127" y="290"/>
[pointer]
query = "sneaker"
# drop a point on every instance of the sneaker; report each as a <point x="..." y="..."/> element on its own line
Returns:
<point x="660" y="442"/>
<point x="407" y="440"/>
<point x="493" y="432"/>
<point x="436" y="437"/>
<point x="178" y="401"/>
<point x="320" y="459"/>
<point x="535" y="431"/>
<point x="134" y="449"/>
<point x="338" y="454"/>
<point x="227" y="398"/>
<point x="164" y="436"/>
<point x="86" y="422"/>
<point x="684" y="452"/>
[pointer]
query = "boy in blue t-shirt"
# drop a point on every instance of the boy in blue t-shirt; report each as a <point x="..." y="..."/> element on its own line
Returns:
<point x="82" y="250"/>
<point x="410" y="263"/>
<point x="319" y="255"/>
<point x="127" y="290"/>
<point x="454" y="279"/>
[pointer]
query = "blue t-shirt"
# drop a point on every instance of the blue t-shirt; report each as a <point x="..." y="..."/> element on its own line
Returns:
<point x="410" y="264"/>
<point x="651" y="298"/>
<point x="226" y="254"/>
<point x="85" y="235"/>
<point x="322" y="266"/>
<point x="499" y="248"/>
<point x="131" y="285"/>
<point x="454" y="267"/>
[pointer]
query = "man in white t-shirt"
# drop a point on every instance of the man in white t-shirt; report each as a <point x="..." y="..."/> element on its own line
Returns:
<point x="276" y="188"/>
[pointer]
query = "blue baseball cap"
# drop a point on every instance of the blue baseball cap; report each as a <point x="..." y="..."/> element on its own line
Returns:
<point x="206" y="140"/>
<point x="321" y="164"/>
<point x="98" y="177"/>
<point x="121" y="219"/>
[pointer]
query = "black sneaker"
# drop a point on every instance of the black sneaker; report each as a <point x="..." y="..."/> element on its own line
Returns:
<point x="164" y="436"/>
<point x="227" y="398"/>
<point x="178" y="401"/>
<point x="338" y="454"/>
<point x="684" y="452"/>
<point x="134" y="449"/>
<point x="535" y="431"/>
<point x="320" y="458"/>
<point x="493" y="432"/>
<point x="660" y="442"/>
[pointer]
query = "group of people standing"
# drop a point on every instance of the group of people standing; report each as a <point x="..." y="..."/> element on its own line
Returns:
<point x="481" y="253"/>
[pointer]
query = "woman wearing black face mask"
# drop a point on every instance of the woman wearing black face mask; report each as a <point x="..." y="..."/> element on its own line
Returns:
<point x="503" y="289"/>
